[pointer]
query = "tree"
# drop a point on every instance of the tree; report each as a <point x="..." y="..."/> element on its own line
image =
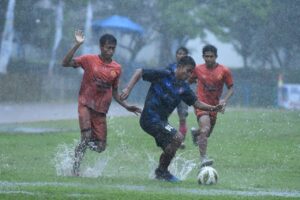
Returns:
<point x="236" y="22"/>
<point x="265" y="33"/>
<point x="169" y="21"/>
<point x="283" y="34"/>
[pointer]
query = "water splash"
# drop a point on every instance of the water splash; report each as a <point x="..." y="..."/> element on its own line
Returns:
<point x="179" y="166"/>
<point x="182" y="167"/>
<point x="64" y="159"/>
<point x="152" y="165"/>
<point x="96" y="170"/>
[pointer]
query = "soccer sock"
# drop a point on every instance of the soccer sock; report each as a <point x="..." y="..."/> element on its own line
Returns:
<point x="164" y="161"/>
<point x="202" y="144"/>
<point x="182" y="127"/>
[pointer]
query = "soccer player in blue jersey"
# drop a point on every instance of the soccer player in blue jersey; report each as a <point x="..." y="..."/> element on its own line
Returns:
<point x="167" y="89"/>
<point x="182" y="108"/>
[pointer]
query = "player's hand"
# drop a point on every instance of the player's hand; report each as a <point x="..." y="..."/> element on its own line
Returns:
<point x="79" y="37"/>
<point x="134" y="109"/>
<point x="125" y="93"/>
<point x="218" y="108"/>
<point x="223" y="103"/>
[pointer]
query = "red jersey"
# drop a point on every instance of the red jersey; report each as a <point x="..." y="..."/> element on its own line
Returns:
<point x="98" y="80"/>
<point x="210" y="82"/>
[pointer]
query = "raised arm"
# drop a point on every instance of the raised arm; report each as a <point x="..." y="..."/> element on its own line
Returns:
<point x="68" y="59"/>
<point x="134" y="79"/>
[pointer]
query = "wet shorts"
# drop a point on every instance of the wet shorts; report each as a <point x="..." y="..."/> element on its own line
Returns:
<point x="182" y="110"/>
<point x="162" y="132"/>
<point x="93" y="121"/>
<point x="212" y="116"/>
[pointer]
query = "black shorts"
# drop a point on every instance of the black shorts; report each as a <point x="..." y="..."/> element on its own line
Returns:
<point x="162" y="131"/>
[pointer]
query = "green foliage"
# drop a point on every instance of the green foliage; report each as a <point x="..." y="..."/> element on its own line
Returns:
<point x="264" y="33"/>
<point x="255" y="151"/>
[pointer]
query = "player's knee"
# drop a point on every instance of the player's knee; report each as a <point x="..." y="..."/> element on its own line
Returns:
<point x="204" y="131"/>
<point x="178" y="138"/>
<point x="182" y="114"/>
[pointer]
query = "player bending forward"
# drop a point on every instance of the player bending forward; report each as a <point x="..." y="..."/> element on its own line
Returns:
<point x="98" y="86"/>
<point x="167" y="89"/>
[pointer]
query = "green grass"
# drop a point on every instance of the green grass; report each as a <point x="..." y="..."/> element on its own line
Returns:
<point x="256" y="154"/>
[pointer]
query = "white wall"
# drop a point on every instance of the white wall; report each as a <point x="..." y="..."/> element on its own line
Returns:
<point x="226" y="52"/>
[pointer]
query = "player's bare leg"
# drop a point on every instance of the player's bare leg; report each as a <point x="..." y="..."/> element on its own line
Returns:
<point x="183" y="130"/>
<point x="204" y="132"/>
<point x="79" y="154"/>
<point x="182" y="111"/>
<point x="81" y="149"/>
<point x="165" y="159"/>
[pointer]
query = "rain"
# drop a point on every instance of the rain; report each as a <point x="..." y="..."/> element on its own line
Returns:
<point x="36" y="34"/>
<point x="258" y="40"/>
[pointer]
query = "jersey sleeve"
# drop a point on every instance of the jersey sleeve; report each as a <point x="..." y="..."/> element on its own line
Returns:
<point x="152" y="75"/>
<point x="117" y="79"/>
<point x="81" y="61"/>
<point x="228" y="78"/>
<point x="172" y="67"/>
<point x="188" y="96"/>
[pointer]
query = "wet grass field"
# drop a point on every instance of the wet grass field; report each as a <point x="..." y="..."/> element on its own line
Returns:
<point x="256" y="154"/>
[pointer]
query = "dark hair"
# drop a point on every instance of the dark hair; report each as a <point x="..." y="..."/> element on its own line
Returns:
<point x="107" y="38"/>
<point x="210" y="48"/>
<point x="185" y="50"/>
<point x="186" y="60"/>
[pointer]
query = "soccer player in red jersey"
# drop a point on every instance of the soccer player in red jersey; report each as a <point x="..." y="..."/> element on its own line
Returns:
<point x="99" y="84"/>
<point x="210" y="78"/>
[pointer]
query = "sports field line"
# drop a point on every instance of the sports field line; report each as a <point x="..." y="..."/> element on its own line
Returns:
<point x="7" y="187"/>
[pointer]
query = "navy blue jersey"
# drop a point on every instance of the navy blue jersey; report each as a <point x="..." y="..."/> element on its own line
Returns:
<point x="172" y="67"/>
<point x="164" y="94"/>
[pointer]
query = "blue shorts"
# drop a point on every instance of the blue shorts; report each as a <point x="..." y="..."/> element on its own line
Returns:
<point x="162" y="131"/>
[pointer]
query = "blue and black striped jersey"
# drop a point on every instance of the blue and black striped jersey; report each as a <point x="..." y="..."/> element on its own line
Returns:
<point x="164" y="94"/>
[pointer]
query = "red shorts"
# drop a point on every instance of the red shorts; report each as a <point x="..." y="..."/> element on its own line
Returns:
<point x="212" y="116"/>
<point x="94" y="121"/>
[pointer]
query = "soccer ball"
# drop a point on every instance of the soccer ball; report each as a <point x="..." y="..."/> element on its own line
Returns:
<point x="207" y="176"/>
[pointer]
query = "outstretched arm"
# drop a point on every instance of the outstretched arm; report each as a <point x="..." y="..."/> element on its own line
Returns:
<point x="134" y="109"/>
<point x="68" y="59"/>
<point x="203" y="106"/>
<point x="134" y="79"/>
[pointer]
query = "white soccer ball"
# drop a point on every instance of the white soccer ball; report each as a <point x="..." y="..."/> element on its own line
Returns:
<point x="207" y="176"/>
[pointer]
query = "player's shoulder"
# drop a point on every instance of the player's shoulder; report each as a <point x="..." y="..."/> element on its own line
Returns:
<point x="200" y="65"/>
<point x="115" y="64"/>
<point x="84" y="59"/>
<point x="222" y="66"/>
<point x="90" y="56"/>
